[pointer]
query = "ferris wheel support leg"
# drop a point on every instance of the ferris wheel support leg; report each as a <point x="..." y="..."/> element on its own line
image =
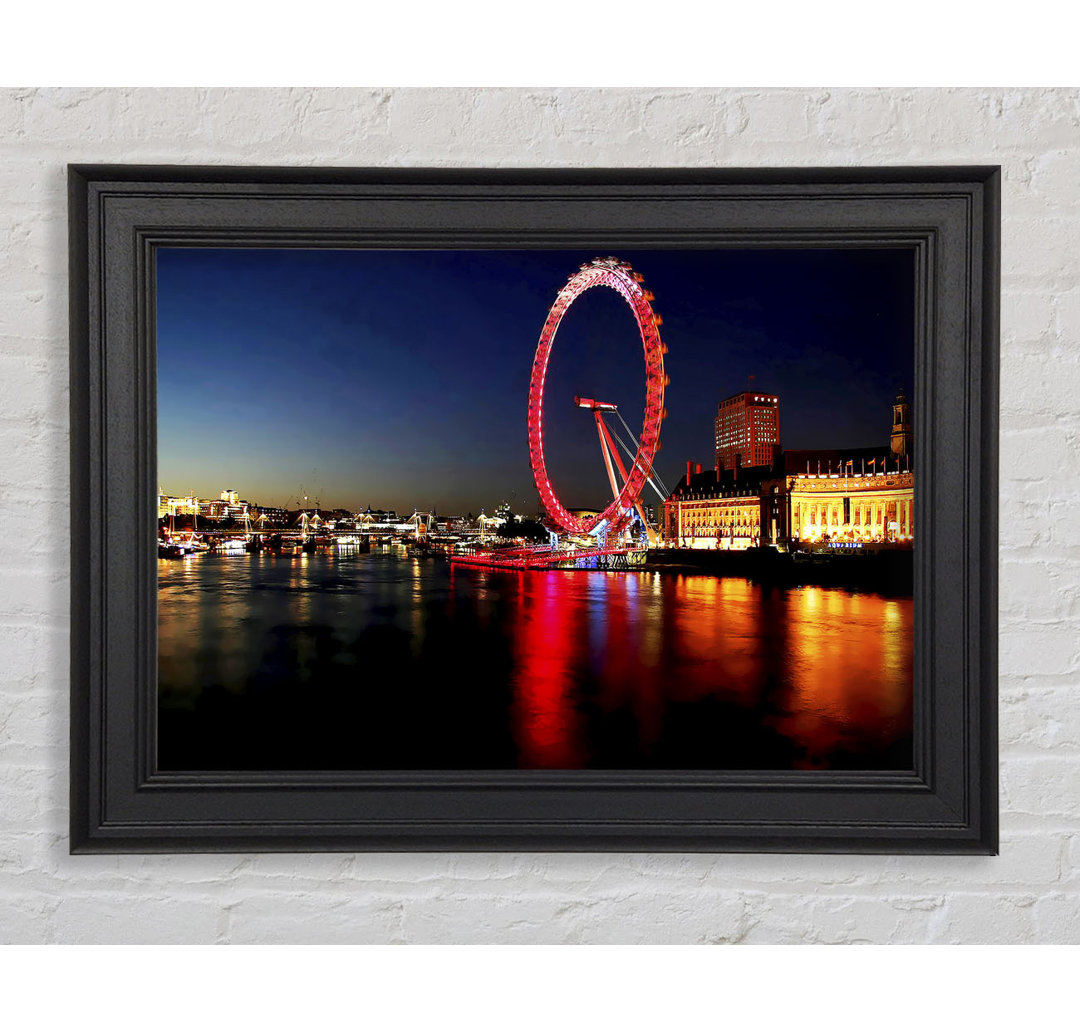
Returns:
<point x="606" y="448"/>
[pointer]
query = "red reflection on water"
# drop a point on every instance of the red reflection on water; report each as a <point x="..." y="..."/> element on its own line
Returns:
<point x="618" y="670"/>
<point x="827" y="669"/>
<point x="546" y="624"/>
<point x="625" y="626"/>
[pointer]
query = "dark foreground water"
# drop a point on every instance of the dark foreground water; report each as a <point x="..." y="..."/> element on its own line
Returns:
<point x="378" y="661"/>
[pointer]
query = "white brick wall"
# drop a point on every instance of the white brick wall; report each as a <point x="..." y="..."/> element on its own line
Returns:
<point x="1031" y="893"/>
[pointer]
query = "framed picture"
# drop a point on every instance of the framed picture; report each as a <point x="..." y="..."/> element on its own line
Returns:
<point x="403" y="519"/>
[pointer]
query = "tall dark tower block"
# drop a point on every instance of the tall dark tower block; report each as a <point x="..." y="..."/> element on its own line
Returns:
<point x="900" y="442"/>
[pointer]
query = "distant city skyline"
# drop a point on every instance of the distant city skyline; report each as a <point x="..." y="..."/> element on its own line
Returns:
<point x="399" y="379"/>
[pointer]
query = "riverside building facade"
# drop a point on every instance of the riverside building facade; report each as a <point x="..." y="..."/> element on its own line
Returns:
<point x="715" y="509"/>
<point x="803" y="498"/>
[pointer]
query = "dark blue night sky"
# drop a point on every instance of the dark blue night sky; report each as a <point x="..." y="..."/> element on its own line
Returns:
<point x="399" y="379"/>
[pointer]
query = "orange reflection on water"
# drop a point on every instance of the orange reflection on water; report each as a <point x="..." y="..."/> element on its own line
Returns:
<point x="190" y="616"/>
<point x="621" y="671"/>
<point x="829" y="670"/>
<point x="719" y="641"/>
<point x="849" y="672"/>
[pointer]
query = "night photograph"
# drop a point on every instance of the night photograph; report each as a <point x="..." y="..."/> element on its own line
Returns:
<point x="486" y="510"/>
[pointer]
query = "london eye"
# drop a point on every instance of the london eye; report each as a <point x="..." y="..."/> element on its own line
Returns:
<point x="620" y="277"/>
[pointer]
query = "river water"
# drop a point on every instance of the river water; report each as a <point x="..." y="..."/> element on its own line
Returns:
<point x="382" y="661"/>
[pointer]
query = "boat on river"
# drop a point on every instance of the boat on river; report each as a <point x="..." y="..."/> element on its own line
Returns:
<point x="173" y="549"/>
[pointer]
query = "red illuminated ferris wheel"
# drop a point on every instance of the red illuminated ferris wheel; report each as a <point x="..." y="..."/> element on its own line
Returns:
<point x="602" y="272"/>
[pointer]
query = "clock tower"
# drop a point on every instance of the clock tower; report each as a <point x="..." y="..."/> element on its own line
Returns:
<point x="900" y="440"/>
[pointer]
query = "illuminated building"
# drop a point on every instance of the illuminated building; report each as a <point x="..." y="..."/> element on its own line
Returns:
<point x="805" y="497"/>
<point x="585" y="514"/>
<point x="271" y="516"/>
<point x="715" y="509"/>
<point x="176" y="505"/>
<point x="854" y="495"/>
<point x="747" y="430"/>
<point x="851" y="507"/>
<point x="228" y="507"/>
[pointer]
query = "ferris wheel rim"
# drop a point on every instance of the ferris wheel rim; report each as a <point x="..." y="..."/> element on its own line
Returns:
<point x="619" y="276"/>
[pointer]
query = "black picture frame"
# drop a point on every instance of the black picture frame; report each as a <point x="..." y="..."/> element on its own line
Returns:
<point x="120" y="215"/>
